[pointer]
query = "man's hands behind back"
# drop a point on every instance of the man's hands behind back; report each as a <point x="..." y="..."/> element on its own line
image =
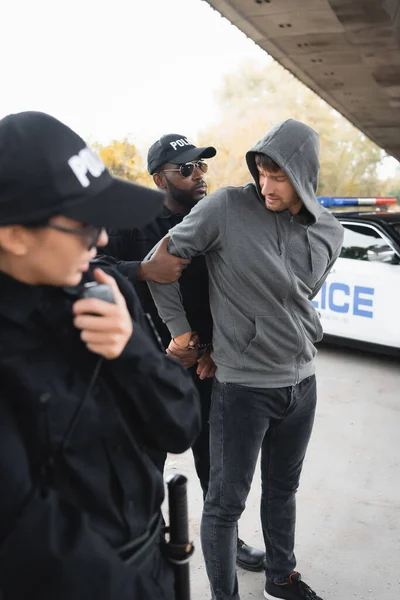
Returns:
<point x="185" y="349"/>
<point x="187" y="353"/>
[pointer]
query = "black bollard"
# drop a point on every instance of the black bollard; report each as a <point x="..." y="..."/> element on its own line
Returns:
<point x="179" y="546"/>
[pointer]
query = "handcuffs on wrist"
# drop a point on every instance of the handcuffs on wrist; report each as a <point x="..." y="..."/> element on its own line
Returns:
<point x="201" y="348"/>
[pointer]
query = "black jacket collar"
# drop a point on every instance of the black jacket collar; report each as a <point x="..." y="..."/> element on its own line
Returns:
<point x="17" y="299"/>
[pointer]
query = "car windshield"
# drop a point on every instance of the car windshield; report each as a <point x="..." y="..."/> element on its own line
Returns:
<point x="396" y="227"/>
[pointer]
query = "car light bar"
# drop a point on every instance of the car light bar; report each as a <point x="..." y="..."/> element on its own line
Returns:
<point x="330" y="201"/>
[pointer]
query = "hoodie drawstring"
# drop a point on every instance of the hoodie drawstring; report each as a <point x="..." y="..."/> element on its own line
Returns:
<point x="310" y="252"/>
<point x="278" y="234"/>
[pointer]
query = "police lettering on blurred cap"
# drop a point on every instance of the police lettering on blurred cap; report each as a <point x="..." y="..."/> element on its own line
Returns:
<point x="46" y="169"/>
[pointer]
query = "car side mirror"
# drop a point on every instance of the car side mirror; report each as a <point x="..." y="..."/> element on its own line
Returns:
<point x="383" y="254"/>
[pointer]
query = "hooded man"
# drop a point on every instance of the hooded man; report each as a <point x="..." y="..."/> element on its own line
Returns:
<point x="269" y="247"/>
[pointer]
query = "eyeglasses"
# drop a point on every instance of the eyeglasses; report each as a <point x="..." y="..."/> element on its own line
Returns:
<point x="89" y="233"/>
<point x="187" y="169"/>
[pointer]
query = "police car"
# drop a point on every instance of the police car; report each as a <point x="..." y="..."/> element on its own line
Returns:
<point x="360" y="300"/>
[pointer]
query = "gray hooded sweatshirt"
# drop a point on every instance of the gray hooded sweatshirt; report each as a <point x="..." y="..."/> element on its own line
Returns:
<point x="264" y="268"/>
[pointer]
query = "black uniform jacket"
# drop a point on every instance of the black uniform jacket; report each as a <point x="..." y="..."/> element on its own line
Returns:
<point x="60" y="525"/>
<point x="129" y="248"/>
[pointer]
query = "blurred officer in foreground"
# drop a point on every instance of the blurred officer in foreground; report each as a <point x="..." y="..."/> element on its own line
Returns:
<point x="84" y="389"/>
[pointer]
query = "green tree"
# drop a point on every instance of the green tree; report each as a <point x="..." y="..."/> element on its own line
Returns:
<point x="392" y="186"/>
<point x="258" y="96"/>
<point x="123" y="160"/>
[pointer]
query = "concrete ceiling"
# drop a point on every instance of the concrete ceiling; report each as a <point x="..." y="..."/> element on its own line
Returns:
<point x="347" y="51"/>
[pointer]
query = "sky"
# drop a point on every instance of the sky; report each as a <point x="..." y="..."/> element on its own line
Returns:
<point x="121" y="68"/>
<point x="139" y="68"/>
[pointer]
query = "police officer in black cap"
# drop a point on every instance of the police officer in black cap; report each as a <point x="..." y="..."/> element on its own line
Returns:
<point x="178" y="168"/>
<point x="84" y="389"/>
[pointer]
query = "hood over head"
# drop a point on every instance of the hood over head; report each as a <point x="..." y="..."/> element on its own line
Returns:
<point x="294" y="146"/>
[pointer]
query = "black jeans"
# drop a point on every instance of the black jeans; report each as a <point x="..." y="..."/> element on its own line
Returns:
<point x="243" y="421"/>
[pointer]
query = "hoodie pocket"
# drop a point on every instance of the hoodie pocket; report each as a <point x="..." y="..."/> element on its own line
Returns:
<point x="276" y="342"/>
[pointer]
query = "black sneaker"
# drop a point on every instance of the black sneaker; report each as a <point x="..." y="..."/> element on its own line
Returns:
<point x="296" y="589"/>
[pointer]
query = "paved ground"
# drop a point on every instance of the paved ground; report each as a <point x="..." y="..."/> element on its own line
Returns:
<point x="348" y="536"/>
